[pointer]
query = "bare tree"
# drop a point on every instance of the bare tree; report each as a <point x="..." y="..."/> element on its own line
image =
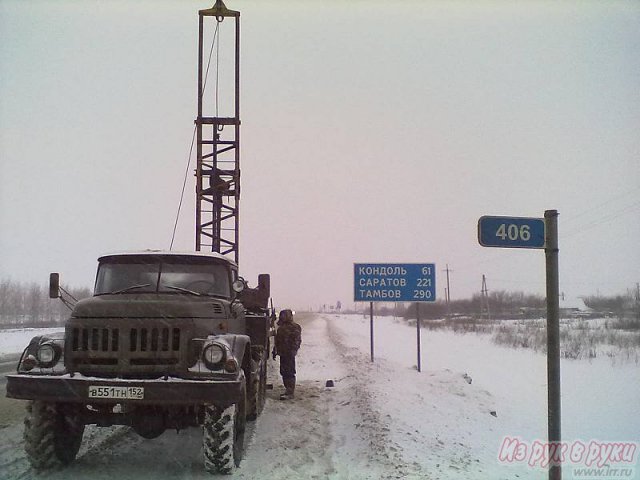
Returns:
<point x="29" y="304"/>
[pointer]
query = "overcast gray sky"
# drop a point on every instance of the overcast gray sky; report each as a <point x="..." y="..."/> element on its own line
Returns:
<point x="371" y="132"/>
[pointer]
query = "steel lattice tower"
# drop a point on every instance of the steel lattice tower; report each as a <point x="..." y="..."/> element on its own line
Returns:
<point x="218" y="149"/>
<point x="484" y="300"/>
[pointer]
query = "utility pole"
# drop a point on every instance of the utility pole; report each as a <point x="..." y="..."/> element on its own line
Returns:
<point x="484" y="299"/>
<point x="448" y="291"/>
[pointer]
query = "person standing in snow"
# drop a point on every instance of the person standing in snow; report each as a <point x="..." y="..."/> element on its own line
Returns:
<point x="288" y="340"/>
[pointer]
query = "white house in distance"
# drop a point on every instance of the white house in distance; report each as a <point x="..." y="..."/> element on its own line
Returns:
<point x="574" y="307"/>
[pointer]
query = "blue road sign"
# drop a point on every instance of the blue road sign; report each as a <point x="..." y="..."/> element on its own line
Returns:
<point x="511" y="232"/>
<point x="394" y="282"/>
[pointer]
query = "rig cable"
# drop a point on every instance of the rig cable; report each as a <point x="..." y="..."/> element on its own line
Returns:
<point x="193" y="136"/>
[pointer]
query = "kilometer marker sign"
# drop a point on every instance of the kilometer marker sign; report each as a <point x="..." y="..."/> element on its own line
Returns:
<point x="521" y="232"/>
<point x="511" y="232"/>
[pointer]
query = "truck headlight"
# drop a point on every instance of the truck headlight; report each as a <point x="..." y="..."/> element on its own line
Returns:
<point x="213" y="356"/>
<point x="48" y="355"/>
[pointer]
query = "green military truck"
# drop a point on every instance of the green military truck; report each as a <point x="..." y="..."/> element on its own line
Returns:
<point x="167" y="341"/>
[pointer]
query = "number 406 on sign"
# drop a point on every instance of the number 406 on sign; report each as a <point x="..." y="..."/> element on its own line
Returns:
<point x="511" y="232"/>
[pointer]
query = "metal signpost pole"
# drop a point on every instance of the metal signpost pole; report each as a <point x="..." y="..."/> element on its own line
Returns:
<point x="553" y="337"/>
<point x="418" y="332"/>
<point x="371" y="326"/>
<point x="523" y="232"/>
<point x="394" y="282"/>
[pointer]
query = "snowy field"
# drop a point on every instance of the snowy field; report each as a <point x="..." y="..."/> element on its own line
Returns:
<point x="13" y="341"/>
<point x="381" y="420"/>
<point x="598" y="394"/>
<point x="599" y="398"/>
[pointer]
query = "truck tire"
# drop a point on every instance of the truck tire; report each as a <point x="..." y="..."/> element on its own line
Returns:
<point x="223" y="436"/>
<point x="257" y="394"/>
<point x="252" y="400"/>
<point x="262" y="389"/>
<point x="52" y="438"/>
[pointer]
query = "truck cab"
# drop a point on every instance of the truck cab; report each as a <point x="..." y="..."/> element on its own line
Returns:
<point x="168" y="340"/>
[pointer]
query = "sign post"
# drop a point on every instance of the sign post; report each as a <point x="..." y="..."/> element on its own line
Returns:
<point x="520" y="232"/>
<point x="418" y="334"/>
<point x="394" y="282"/>
<point x="553" y="337"/>
<point x="371" y="327"/>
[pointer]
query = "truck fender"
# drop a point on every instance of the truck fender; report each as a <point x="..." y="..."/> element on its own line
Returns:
<point x="35" y="342"/>
<point x="239" y="346"/>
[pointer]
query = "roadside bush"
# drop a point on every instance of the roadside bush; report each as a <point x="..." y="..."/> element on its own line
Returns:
<point x="626" y="323"/>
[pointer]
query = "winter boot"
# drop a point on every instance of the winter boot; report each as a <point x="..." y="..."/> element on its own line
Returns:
<point x="290" y="386"/>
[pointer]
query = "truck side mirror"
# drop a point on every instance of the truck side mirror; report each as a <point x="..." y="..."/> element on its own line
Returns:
<point x="54" y="285"/>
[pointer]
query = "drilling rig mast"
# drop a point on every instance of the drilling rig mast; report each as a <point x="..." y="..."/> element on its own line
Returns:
<point x="218" y="146"/>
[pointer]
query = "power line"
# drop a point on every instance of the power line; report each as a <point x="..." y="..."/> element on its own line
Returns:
<point x="593" y="208"/>
<point x="631" y="208"/>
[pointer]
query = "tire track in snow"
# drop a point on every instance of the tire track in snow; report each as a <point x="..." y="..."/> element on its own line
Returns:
<point x="325" y="433"/>
<point x="293" y="438"/>
<point x="372" y="425"/>
<point x="13" y="461"/>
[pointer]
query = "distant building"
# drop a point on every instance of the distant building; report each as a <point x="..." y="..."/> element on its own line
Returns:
<point x="569" y="308"/>
<point x="574" y="308"/>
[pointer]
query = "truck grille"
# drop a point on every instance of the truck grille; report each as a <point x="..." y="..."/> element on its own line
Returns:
<point x="96" y="339"/>
<point x="102" y="349"/>
<point x="140" y="339"/>
<point x="154" y="339"/>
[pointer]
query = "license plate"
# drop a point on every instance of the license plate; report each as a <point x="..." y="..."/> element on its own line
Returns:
<point x="117" y="393"/>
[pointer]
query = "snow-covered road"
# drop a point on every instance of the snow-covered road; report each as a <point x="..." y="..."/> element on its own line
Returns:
<point x="324" y="433"/>
<point x="380" y="420"/>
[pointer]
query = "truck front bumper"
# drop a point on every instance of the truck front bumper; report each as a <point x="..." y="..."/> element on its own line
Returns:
<point x="172" y="391"/>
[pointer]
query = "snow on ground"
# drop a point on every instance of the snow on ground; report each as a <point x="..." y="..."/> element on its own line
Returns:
<point x="16" y="339"/>
<point x="599" y="399"/>
<point x="383" y="419"/>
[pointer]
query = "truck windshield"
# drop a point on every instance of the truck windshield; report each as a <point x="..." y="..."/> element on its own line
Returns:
<point x="123" y="275"/>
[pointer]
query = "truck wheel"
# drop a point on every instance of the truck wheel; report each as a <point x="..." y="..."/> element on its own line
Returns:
<point x="52" y="438"/>
<point x="223" y="436"/>
<point x="262" y="389"/>
<point x="253" y="400"/>
<point x="258" y="393"/>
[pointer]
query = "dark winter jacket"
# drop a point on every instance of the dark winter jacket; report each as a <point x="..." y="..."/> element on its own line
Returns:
<point x="288" y="335"/>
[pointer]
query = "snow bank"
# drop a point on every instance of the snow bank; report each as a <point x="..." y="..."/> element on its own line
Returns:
<point x="14" y="341"/>
<point x="444" y="423"/>
<point x="380" y="420"/>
